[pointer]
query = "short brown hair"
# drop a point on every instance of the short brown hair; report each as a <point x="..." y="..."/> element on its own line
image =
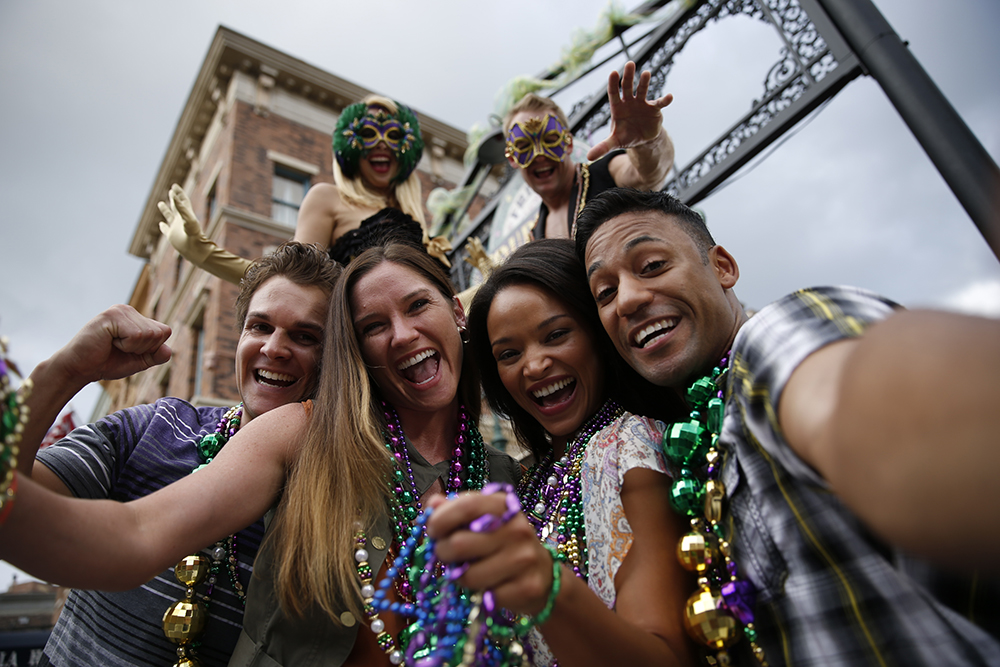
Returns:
<point x="532" y="102"/>
<point x="302" y="263"/>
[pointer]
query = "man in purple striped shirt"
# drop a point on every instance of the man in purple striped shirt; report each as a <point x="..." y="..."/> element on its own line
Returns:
<point x="281" y="312"/>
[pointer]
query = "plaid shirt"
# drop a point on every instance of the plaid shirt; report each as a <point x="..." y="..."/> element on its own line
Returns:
<point x="829" y="593"/>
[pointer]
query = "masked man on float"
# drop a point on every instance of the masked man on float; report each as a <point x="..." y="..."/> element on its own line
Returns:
<point x="638" y="154"/>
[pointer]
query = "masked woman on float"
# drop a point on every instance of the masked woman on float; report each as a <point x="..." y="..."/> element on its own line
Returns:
<point x="394" y="423"/>
<point x="376" y="194"/>
<point x="598" y="494"/>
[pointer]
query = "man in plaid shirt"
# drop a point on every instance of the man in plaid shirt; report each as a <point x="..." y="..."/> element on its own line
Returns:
<point x="855" y="433"/>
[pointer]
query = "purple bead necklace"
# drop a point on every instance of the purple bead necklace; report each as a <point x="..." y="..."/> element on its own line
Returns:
<point x="405" y="515"/>
<point x="407" y="507"/>
<point x="550" y="492"/>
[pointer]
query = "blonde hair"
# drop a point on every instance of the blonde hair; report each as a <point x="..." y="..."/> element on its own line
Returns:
<point x="537" y="103"/>
<point x="340" y="476"/>
<point x="355" y="192"/>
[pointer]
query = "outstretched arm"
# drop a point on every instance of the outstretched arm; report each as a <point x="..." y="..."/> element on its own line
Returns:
<point x="113" y="345"/>
<point x="636" y="125"/>
<point x="646" y="627"/>
<point x="183" y="231"/>
<point x="317" y="219"/>
<point x="117" y="546"/>
<point x="900" y="423"/>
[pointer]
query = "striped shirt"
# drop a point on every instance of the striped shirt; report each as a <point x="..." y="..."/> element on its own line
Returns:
<point x="829" y="592"/>
<point x="124" y="456"/>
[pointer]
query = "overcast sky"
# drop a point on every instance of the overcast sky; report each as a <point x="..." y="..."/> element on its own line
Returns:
<point x="93" y="90"/>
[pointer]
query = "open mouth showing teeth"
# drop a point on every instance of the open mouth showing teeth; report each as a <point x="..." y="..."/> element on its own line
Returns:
<point x="653" y="331"/>
<point x="273" y="379"/>
<point x="421" y="367"/>
<point x="544" y="172"/>
<point x="380" y="163"/>
<point x="554" y="393"/>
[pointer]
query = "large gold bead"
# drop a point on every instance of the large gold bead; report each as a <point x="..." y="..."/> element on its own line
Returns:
<point x="715" y="493"/>
<point x="695" y="552"/>
<point x="191" y="569"/>
<point x="708" y="623"/>
<point x="187" y="661"/>
<point x="184" y="621"/>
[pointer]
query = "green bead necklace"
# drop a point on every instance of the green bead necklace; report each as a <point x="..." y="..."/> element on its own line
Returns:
<point x="722" y="609"/>
<point x="184" y="621"/>
<point x="550" y="494"/>
<point x="13" y="417"/>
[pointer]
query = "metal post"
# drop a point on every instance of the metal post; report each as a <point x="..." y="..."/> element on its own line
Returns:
<point x="967" y="168"/>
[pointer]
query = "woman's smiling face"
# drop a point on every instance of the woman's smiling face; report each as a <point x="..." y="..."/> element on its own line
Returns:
<point x="546" y="358"/>
<point x="408" y="334"/>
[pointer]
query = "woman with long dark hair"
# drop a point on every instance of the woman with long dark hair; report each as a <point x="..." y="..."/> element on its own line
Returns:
<point x="597" y="495"/>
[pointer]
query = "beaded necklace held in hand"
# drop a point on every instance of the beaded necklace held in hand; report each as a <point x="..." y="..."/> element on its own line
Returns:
<point x="405" y="511"/>
<point x="184" y="621"/>
<point x="555" y="505"/>
<point x="723" y="603"/>
<point x="13" y="417"/>
<point x="450" y="626"/>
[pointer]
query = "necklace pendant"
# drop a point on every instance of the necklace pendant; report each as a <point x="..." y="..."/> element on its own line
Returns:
<point x="546" y="531"/>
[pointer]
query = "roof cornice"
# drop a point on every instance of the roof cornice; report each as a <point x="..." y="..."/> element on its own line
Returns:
<point x="229" y="52"/>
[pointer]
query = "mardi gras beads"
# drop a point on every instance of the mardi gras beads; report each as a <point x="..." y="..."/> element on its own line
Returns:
<point x="722" y="609"/>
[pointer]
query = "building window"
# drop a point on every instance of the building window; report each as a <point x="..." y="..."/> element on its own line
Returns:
<point x="197" y="329"/>
<point x="212" y="203"/>
<point x="287" y="191"/>
<point x="178" y="270"/>
<point x="199" y="360"/>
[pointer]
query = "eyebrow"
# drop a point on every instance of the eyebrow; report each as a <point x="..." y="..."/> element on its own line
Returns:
<point x="541" y="325"/>
<point x="300" y="324"/>
<point x="638" y="240"/>
<point x="420" y="291"/>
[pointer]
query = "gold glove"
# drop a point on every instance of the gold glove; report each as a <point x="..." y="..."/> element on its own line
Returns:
<point x="183" y="231"/>
<point x="478" y="258"/>
<point x="437" y="247"/>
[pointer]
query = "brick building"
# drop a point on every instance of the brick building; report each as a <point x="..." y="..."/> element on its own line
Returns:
<point x="253" y="136"/>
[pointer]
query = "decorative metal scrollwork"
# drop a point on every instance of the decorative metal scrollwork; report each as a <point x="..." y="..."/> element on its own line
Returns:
<point x="804" y="59"/>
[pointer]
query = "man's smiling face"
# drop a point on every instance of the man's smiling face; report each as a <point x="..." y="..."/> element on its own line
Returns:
<point x="278" y="354"/>
<point x="662" y="300"/>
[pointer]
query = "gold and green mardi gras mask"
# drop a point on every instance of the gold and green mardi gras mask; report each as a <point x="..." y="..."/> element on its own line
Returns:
<point x="361" y="127"/>
<point x="537" y="136"/>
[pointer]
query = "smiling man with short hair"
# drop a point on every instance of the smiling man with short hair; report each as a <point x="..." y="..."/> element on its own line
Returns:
<point x="827" y="434"/>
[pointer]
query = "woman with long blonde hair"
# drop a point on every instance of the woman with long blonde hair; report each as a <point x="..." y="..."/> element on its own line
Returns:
<point x="393" y="425"/>
<point x="376" y="194"/>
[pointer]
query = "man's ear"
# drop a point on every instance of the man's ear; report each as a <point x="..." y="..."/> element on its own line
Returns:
<point x="459" y="312"/>
<point x="724" y="265"/>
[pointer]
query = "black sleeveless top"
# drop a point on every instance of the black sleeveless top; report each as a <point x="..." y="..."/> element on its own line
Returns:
<point x="597" y="181"/>
<point x="389" y="224"/>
